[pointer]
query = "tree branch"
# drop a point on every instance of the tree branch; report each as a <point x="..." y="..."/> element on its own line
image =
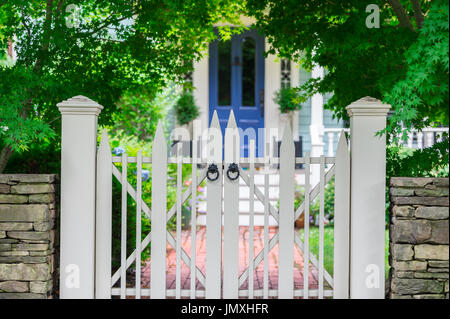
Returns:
<point x="418" y="14"/>
<point x="59" y="5"/>
<point x="401" y="14"/>
<point x="58" y="9"/>
<point x="5" y="154"/>
<point x="46" y="33"/>
<point x="103" y="25"/>
<point x="26" y="25"/>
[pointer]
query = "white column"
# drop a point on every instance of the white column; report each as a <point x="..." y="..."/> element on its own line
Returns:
<point x="272" y="83"/>
<point x="410" y="139"/>
<point x="200" y="81"/>
<point x="420" y="140"/>
<point x="316" y="127"/>
<point x="295" y="81"/>
<point x="368" y="183"/>
<point x="429" y="138"/>
<point x="78" y="169"/>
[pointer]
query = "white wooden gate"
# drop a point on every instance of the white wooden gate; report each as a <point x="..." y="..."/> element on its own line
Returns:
<point x="222" y="278"/>
<point x="86" y="206"/>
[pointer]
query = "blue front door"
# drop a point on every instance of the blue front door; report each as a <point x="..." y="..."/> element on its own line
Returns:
<point x="236" y="82"/>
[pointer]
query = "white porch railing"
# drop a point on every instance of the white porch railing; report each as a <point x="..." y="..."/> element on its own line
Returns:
<point x="425" y="138"/>
<point x="330" y="140"/>
<point x="416" y="139"/>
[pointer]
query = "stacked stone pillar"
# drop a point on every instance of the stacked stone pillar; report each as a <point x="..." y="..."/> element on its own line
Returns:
<point x="419" y="238"/>
<point x="28" y="237"/>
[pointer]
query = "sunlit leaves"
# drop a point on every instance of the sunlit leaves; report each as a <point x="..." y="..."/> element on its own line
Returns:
<point x="421" y="97"/>
<point x="100" y="49"/>
<point x="404" y="68"/>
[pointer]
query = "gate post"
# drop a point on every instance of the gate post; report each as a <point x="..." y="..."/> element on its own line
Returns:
<point x="78" y="167"/>
<point x="368" y="185"/>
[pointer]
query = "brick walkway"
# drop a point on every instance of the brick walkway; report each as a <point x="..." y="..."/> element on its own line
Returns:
<point x="243" y="261"/>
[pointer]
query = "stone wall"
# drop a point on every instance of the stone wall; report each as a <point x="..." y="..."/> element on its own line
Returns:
<point x="28" y="238"/>
<point x="419" y="238"/>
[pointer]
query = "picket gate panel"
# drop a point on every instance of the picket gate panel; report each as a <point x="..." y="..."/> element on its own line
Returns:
<point x="123" y="226"/>
<point x="178" y="223"/>
<point x="158" y="216"/>
<point x="251" y="244"/>
<point x="194" y="215"/>
<point x="342" y="221"/>
<point x="266" y="229"/>
<point x="231" y="214"/>
<point x="103" y="220"/>
<point x="231" y="285"/>
<point x="321" y="223"/>
<point x="306" y="228"/>
<point x="138" y="222"/>
<point x="286" y="217"/>
<point x="214" y="213"/>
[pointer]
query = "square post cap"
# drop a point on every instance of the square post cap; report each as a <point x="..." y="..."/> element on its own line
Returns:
<point x="368" y="106"/>
<point x="79" y="105"/>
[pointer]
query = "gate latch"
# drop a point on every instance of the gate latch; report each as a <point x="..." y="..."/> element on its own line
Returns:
<point x="233" y="168"/>
<point x="214" y="171"/>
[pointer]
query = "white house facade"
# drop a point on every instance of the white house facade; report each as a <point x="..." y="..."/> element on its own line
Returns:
<point x="234" y="75"/>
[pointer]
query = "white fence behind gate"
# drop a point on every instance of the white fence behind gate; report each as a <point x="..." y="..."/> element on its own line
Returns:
<point x="354" y="260"/>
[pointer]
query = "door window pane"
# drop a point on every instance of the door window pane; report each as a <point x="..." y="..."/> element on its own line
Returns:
<point x="224" y="66"/>
<point x="248" y="71"/>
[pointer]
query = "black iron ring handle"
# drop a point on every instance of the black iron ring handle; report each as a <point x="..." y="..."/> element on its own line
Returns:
<point x="212" y="169"/>
<point x="233" y="168"/>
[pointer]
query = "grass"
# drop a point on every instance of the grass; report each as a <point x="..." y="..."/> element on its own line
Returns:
<point x="329" y="244"/>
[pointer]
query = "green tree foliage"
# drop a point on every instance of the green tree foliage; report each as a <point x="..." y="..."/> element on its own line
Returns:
<point x="138" y="112"/>
<point x="100" y="49"/>
<point x="403" y="62"/>
<point x="422" y="96"/>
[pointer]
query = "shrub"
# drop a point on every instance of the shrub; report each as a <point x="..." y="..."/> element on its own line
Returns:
<point x="39" y="158"/>
<point x="427" y="162"/>
<point x="185" y="109"/>
<point x="288" y="99"/>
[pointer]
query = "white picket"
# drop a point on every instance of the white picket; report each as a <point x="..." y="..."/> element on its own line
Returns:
<point x="321" y="223"/>
<point x="251" y="244"/>
<point x="286" y="217"/>
<point x="194" y="213"/>
<point x="266" y="228"/>
<point x="231" y="213"/>
<point x="330" y="143"/>
<point x="158" y="216"/>
<point x="123" y="238"/>
<point x="103" y="223"/>
<point x="214" y="213"/>
<point x="138" y="222"/>
<point x="178" y="223"/>
<point x="342" y="221"/>
<point x="306" y="228"/>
